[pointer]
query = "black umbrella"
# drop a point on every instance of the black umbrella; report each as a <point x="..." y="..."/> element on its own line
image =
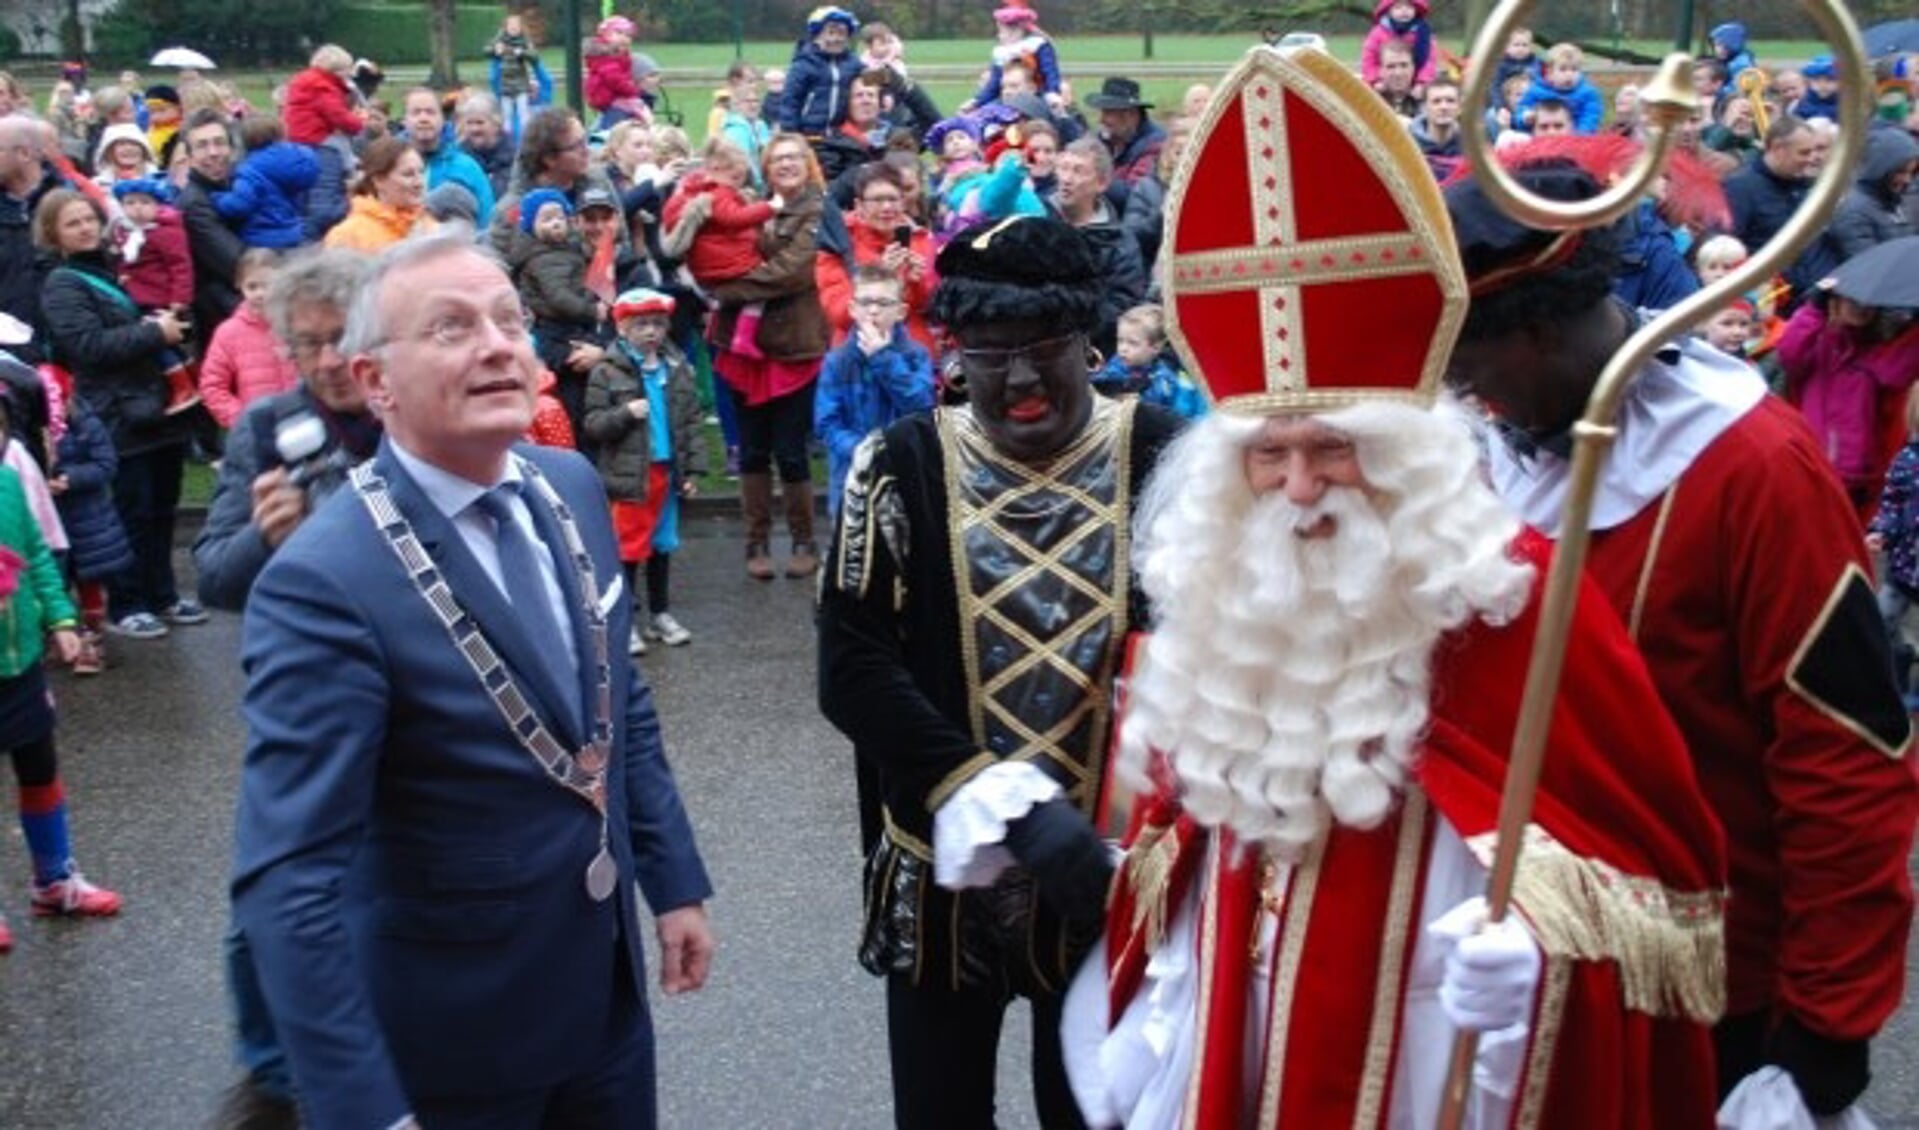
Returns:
<point x="1891" y="37"/>
<point x="1887" y="275"/>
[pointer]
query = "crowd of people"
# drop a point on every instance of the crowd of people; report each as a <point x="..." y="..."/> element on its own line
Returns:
<point x="974" y="317"/>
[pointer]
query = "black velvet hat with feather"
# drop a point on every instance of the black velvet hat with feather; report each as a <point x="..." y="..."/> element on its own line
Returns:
<point x="1024" y="267"/>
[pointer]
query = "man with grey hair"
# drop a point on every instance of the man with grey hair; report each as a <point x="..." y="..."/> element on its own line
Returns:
<point x="482" y="134"/>
<point x="24" y="179"/>
<point x="285" y="455"/>
<point x="1085" y="170"/>
<point x="454" y="795"/>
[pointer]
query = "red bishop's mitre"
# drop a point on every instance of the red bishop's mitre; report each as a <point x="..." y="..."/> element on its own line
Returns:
<point x="1311" y="263"/>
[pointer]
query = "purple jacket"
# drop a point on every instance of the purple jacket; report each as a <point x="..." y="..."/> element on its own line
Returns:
<point x="1836" y="380"/>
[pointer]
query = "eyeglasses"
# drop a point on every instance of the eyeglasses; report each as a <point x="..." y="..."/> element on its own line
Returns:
<point x="464" y="327"/>
<point x="569" y="147"/>
<point x="1038" y="354"/>
<point x="876" y="303"/>
<point x="307" y="347"/>
<point x="883" y="200"/>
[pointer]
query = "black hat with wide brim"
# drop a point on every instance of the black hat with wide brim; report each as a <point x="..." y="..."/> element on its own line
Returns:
<point x="1118" y="94"/>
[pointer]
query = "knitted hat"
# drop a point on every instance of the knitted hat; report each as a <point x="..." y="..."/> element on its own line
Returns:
<point x="818" y="18"/>
<point x="641" y="300"/>
<point x="1821" y="66"/>
<point x="156" y="187"/>
<point x="644" y="65"/>
<point x="1019" y="268"/>
<point x="1015" y="15"/>
<point x="532" y="202"/>
<point x="161" y="92"/>
<point x="617" y="24"/>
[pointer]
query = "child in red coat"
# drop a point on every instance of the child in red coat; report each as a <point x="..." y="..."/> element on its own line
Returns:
<point x="245" y="360"/>
<point x="319" y="114"/>
<point x="610" y="86"/>
<point x="727" y="245"/>
<point x="156" y="269"/>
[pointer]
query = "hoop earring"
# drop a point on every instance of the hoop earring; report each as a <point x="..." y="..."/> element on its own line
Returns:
<point x="1095" y="360"/>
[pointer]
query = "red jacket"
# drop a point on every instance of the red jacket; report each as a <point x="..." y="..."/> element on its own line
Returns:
<point x="1748" y="592"/>
<point x="609" y="74"/>
<point x="728" y="244"/>
<point x="318" y="105"/>
<point x="869" y="244"/>
<point x="161" y="273"/>
<point x="551" y="426"/>
<point x="244" y="362"/>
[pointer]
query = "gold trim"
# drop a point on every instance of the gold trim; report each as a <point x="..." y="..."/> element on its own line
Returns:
<point x="1669" y="945"/>
<point x="1645" y="567"/>
<point x="1301" y="885"/>
<point x="1208" y="962"/>
<point x="952" y="782"/>
<point x="1389" y="987"/>
<point x="1233" y="269"/>
<point x="1314" y="401"/>
<point x="1806" y="641"/>
<point x="1545" y="1040"/>
<point x="904" y="840"/>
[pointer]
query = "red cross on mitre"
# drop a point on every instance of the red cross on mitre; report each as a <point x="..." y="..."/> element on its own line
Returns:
<point x="1311" y="263"/>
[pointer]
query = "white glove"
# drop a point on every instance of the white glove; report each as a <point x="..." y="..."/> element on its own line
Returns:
<point x="1491" y="972"/>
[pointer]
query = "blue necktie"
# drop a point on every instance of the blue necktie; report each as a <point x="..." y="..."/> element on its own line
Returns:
<point x="520" y="570"/>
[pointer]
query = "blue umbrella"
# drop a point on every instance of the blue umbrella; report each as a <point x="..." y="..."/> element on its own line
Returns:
<point x="1892" y="37"/>
<point x="1884" y="276"/>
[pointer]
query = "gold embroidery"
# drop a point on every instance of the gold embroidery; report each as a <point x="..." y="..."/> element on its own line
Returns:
<point x="1646" y="567"/>
<point x="1208" y="962"/>
<point x="1052" y="619"/>
<point x="1545" y="1041"/>
<point x="1408" y="863"/>
<point x="1670" y="946"/>
<point x="906" y="841"/>
<point x="1292" y="944"/>
<point x="1851" y="574"/>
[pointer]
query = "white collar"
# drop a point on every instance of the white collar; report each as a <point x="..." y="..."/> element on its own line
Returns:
<point x="1681" y="401"/>
<point x="449" y="493"/>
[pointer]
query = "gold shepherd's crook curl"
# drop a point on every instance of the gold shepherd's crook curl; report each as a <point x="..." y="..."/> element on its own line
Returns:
<point x="1667" y="101"/>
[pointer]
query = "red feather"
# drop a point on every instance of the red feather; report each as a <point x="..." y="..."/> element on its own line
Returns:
<point x="1693" y="195"/>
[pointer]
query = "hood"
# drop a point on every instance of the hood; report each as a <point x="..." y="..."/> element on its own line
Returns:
<point x="1888" y="149"/>
<point x="1420" y="8"/>
<point x="121" y="131"/>
<point x="1731" y="36"/>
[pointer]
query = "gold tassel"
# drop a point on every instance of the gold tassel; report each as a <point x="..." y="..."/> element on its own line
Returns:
<point x="1670" y="946"/>
<point x="1149" y="871"/>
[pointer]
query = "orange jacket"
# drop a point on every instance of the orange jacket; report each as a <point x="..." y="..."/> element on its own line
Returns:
<point x="869" y="244"/>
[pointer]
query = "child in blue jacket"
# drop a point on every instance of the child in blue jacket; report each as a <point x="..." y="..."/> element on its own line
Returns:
<point x="878" y="375"/>
<point x="1140" y="366"/>
<point x="267" y="204"/>
<point x="819" y="80"/>
<point x="1561" y="77"/>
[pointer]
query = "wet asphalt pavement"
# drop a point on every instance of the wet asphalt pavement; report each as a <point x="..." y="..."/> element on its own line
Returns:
<point x="122" y="1023"/>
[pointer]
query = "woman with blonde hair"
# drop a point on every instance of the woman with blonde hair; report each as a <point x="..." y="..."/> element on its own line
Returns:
<point x="389" y="202"/>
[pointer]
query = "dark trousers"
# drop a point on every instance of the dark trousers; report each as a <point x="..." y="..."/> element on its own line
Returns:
<point x="613" y="1092"/>
<point x="776" y="433"/>
<point x="146" y="492"/>
<point x="945" y="1051"/>
<point x="1739" y="1048"/>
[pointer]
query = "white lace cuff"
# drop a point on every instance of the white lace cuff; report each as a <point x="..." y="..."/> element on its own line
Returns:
<point x="969" y="828"/>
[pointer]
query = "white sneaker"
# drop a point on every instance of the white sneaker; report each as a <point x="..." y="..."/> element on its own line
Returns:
<point x="635" y="643"/>
<point x="667" y="630"/>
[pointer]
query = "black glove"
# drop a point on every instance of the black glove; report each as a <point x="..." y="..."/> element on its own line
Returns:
<point x="1830" y="1074"/>
<point x="1069" y="861"/>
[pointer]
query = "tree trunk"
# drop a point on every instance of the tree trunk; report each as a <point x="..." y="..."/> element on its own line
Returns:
<point x="446" y="68"/>
<point x="73" y="33"/>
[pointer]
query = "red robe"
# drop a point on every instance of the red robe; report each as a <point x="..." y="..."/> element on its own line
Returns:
<point x="1756" y="619"/>
<point x="1618" y="811"/>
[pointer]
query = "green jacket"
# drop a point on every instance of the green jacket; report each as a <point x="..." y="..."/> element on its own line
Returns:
<point x="624" y="442"/>
<point x="40" y="604"/>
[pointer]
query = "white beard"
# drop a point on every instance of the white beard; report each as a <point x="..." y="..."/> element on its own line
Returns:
<point x="1288" y="682"/>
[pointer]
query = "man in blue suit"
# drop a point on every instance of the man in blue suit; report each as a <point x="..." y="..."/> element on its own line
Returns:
<point x="453" y="799"/>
